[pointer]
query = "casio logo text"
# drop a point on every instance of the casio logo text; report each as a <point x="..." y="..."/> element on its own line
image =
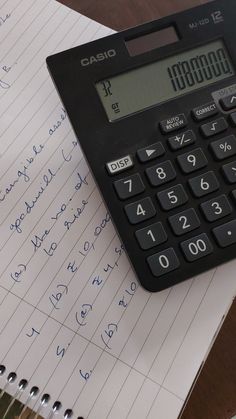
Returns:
<point x="93" y="59"/>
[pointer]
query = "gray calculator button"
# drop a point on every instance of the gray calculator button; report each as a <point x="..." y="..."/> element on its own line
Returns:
<point x="214" y="127"/>
<point x="151" y="236"/>
<point x="129" y="186"/>
<point x="197" y="247"/>
<point x="140" y="210"/>
<point x="192" y="161"/>
<point x="119" y="165"/>
<point x="173" y="123"/>
<point x="228" y="102"/>
<point x="182" y="140"/>
<point x="151" y="152"/>
<point x="161" y="173"/>
<point x="204" y="184"/>
<point x="184" y="222"/>
<point x="233" y="119"/>
<point x="205" y="111"/>
<point x="163" y="262"/>
<point x="172" y="197"/>
<point x="229" y="171"/>
<point x="224" y="148"/>
<point x="226" y="234"/>
<point x="216" y="208"/>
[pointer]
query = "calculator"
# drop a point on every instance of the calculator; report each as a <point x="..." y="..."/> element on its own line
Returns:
<point x="154" y="110"/>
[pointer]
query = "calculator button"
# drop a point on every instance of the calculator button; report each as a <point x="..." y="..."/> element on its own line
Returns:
<point x="151" y="236"/>
<point x="204" y="111"/>
<point x="196" y="247"/>
<point x="192" y="161"/>
<point x="184" y="222"/>
<point x="233" y="194"/>
<point x="229" y="171"/>
<point x="129" y="186"/>
<point x="204" y="184"/>
<point x="214" y="127"/>
<point x="151" y="152"/>
<point x="182" y="140"/>
<point x="119" y="165"/>
<point x="163" y="262"/>
<point x="228" y="102"/>
<point x="216" y="208"/>
<point x="225" y="234"/>
<point x="233" y="118"/>
<point x="140" y="211"/>
<point x="224" y="148"/>
<point x="172" y="197"/>
<point x="173" y="123"/>
<point x="161" y="173"/>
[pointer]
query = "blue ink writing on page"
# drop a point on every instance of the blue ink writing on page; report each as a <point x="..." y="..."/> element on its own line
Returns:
<point x="97" y="281"/>
<point x="29" y="205"/>
<point x="32" y="333"/>
<point x="56" y="297"/>
<point x="59" y="122"/>
<point x="76" y="215"/>
<point x="128" y="294"/>
<point x="88" y="245"/>
<point x="50" y="252"/>
<point x="38" y="240"/>
<point x="22" y="173"/>
<point x="16" y="276"/>
<point x="108" y="333"/>
<point x="85" y="375"/>
<point x="4" y="18"/>
<point x="72" y="267"/>
<point x="82" y="314"/>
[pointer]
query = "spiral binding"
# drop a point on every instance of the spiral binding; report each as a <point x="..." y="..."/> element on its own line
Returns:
<point x="33" y="392"/>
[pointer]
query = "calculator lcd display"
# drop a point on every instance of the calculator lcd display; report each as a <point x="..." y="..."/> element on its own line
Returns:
<point x="164" y="80"/>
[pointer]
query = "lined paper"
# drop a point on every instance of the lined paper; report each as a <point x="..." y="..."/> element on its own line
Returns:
<point x="73" y="319"/>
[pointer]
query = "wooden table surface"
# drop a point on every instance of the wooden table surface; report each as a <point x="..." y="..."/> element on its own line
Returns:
<point x="214" y="394"/>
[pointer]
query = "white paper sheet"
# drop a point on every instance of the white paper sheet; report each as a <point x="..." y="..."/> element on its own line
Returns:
<point x="73" y="319"/>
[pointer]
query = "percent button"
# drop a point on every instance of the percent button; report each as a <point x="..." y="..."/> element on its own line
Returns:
<point x="224" y="148"/>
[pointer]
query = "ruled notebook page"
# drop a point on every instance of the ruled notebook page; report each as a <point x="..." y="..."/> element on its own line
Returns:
<point x="73" y="319"/>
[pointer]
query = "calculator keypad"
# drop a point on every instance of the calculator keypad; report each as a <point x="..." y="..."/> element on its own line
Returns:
<point x="182" y="140"/>
<point x="162" y="226"/>
<point x="184" y="222"/>
<point x="216" y="208"/>
<point x="161" y="173"/>
<point x="215" y="127"/>
<point x="224" y="148"/>
<point x="192" y="161"/>
<point x="226" y="234"/>
<point x="229" y="171"/>
<point x="172" y="198"/>
<point x="196" y="247"/>
<point x="129" y="186"/>
<point x="151" y="236"/>
<point x="151" y="152"/>
<point x="140" y="210"/>
<point x="204" y="184"/>
<point x="163" y="262"/>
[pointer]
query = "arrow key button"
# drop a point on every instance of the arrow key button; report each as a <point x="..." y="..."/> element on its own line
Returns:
<point x="151" y="152"/>
<point x="228" y="102"/>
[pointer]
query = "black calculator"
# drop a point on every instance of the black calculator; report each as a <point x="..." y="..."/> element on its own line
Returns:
<point x="154" y="110"/>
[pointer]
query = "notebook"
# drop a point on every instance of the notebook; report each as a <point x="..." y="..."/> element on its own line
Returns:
<point x="78" y="336"/>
